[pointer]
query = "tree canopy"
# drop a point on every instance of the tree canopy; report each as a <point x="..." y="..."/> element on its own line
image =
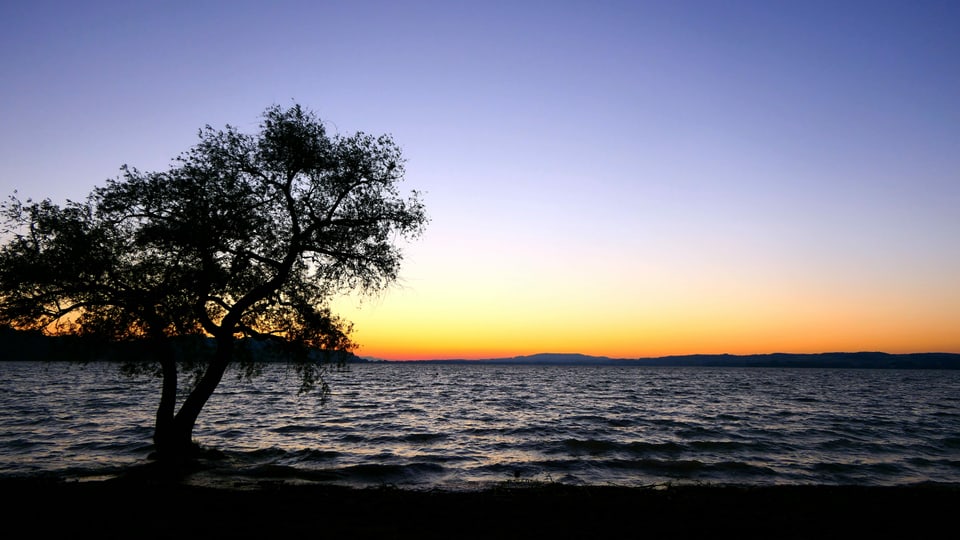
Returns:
<point x="245" y="236"/>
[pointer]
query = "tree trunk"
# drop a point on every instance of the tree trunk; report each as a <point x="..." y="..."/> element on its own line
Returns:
<point x="163" y="435"/>
<point x="182" y="425"/>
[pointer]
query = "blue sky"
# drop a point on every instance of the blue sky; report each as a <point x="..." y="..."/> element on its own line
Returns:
<point x="623" y="178"/>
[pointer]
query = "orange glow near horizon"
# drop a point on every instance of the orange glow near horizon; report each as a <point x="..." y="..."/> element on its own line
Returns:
<point x="638" y="337"/>
<point x="635" y="309"/>
<point x="393" y="350"/>
<point x="618" y="302"/>
<point x="427" y="351"/>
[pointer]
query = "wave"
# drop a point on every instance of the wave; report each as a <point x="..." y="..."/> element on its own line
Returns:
<point x="395" y="424"/>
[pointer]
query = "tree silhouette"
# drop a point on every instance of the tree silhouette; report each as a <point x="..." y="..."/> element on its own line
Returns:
<point x="246" y="236"/>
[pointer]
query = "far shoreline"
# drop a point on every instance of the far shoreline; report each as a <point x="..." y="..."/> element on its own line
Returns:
<point x="23" y="345"/>
<point x="828" y="360"/>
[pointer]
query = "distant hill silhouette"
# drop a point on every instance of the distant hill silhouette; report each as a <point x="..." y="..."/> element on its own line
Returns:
<point x="31" y="346"/>
<point x="873" y="360"/>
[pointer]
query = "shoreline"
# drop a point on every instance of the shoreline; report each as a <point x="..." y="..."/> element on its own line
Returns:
<point x="141" y="508"/>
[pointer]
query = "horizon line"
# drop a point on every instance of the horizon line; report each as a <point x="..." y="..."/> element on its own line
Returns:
<point x="655" y="357"/>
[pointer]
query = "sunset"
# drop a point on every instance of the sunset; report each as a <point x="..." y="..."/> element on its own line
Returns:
<point x="444" y="269"/>
<point x="619" y="179"/>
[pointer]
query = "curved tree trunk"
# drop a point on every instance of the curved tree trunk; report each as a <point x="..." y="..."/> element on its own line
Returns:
<point x="163" y="435"/>
<point x="183" y="423"/>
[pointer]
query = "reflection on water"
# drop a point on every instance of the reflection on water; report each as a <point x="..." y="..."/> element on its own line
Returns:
<point x="454" y="425"/>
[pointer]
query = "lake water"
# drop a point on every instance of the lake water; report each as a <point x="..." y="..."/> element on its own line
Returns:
<point x="459" y="427"/>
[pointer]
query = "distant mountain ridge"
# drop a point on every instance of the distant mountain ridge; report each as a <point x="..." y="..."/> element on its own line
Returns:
<point x="20" y="345"/>
<point x="872" y="360"/>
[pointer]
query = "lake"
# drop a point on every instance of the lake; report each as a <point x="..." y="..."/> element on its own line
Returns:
<point x="466" y="426"/>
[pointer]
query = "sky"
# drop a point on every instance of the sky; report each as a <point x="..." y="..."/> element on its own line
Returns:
<point x="624" y="179"/>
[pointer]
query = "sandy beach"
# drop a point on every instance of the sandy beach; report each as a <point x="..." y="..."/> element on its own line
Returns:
<point x="138" y="508"/>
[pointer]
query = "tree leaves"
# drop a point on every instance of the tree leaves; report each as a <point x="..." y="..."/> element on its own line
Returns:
<point x="245" y="235"/>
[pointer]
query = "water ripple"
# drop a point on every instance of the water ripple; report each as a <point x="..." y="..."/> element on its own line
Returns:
<point x="432" y="425"/>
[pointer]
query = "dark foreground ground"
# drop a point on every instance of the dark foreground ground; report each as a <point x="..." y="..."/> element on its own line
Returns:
<point x="34" y="508"/>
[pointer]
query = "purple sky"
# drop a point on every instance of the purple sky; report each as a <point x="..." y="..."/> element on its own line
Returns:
<point x="625" y="178"/>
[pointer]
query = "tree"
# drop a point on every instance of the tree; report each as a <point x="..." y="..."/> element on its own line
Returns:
<point x="245" y="236"/>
